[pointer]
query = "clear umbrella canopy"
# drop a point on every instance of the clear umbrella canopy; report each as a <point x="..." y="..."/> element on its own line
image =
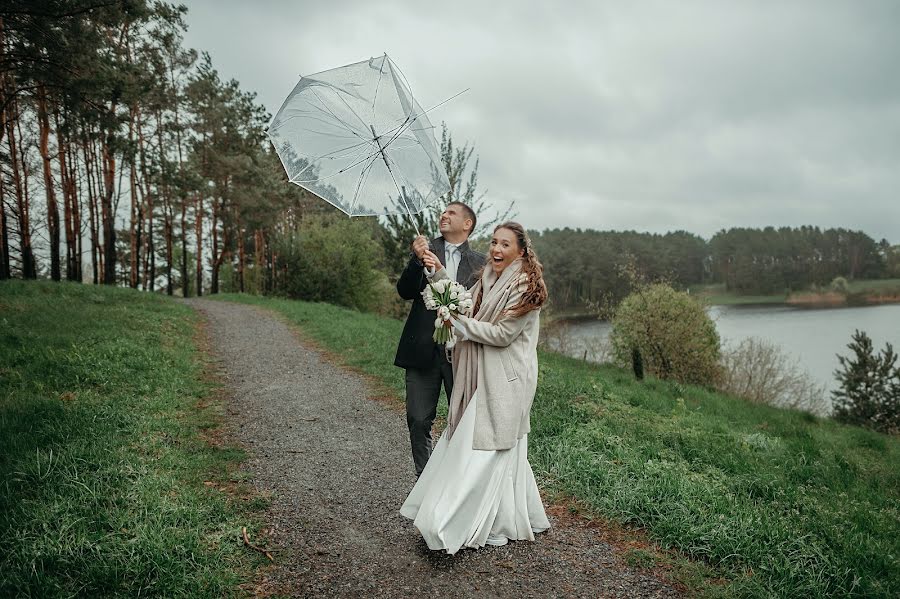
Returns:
<point x="356" y="137"/>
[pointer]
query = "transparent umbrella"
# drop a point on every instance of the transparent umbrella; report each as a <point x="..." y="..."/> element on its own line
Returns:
<point x="356" y="137"/>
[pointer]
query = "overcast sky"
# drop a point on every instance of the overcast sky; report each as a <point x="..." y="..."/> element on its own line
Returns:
<point x="652" y="116"/>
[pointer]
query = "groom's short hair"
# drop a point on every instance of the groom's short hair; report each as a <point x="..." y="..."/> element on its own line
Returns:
<point x="468" y="212"/>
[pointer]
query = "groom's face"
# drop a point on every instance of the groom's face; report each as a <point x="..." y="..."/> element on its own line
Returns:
<point x="453" y="221"/>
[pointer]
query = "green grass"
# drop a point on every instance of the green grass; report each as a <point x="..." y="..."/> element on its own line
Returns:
<point x="874" y="285"/>
<point x="775" y="503"/>
<point x="102" y="458"/>
<point x="717" y="295"/>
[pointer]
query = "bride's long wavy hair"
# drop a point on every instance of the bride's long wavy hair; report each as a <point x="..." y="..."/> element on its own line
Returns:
<point x="536" y="293"/>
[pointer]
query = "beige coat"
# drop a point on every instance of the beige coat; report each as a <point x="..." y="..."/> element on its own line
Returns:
<point x="506" y="372"/>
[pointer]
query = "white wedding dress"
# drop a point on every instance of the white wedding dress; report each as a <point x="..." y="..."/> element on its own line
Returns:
<point x="468" y="498"/>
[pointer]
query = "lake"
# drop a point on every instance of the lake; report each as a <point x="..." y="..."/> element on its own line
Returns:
<point x="812" y="337"/>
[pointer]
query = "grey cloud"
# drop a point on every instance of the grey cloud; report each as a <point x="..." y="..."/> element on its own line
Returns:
<point x="628" y="115"/>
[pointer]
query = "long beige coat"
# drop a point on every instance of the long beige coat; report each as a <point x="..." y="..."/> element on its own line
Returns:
<point x="507" y="371"/>
<point x="507" y="378"/>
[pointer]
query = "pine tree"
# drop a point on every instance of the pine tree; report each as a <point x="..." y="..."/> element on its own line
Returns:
<point x="869" y="393"/>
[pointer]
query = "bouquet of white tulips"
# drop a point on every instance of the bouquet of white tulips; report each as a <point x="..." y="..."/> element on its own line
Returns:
<point x="448" y="298"/>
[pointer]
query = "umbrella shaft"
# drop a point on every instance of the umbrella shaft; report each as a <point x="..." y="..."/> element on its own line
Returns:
<point x="391" y="172"/>
<point x="380" y="148"/>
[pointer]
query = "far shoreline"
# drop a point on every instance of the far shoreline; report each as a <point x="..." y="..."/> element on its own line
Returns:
<point x="800" y="301"/>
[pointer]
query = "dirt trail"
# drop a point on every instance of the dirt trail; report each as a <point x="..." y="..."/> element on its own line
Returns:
<point x="337" y="466"/>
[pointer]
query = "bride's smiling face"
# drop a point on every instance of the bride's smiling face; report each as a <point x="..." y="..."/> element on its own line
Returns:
<point x="504" y="249"/>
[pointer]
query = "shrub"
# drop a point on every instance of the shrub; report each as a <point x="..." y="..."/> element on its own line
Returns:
<point x="671" y="330"/>
<point x="761" y="372"/>
<point x="330" y="260"/>
<point x="840" y="285"/>
<point x="869" y="393"/>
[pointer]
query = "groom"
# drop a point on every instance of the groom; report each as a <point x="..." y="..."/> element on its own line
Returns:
<point x="424" y="360"/>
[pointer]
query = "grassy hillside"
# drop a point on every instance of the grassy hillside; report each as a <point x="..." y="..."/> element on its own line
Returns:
<point x="777" y="503"/>
<point x="108" y="486"/>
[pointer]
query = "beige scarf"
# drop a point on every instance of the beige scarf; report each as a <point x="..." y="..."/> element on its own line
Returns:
<point x="467" y="354"/>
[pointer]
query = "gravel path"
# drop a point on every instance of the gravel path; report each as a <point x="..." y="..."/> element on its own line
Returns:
<point x="337" y="466"/>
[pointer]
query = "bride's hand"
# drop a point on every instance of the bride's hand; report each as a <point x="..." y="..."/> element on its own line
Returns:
<point x="431" y="261"/>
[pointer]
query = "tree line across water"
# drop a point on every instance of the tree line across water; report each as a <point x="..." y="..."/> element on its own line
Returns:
<point x="128" y="160"/>
<point x="584" y="266"/>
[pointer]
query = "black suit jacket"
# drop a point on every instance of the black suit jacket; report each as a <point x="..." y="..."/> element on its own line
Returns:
<point x="417" y="349"/>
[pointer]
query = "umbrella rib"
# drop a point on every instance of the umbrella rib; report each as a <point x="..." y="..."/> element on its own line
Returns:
<point x="414" y="144"/>
<point x="403" y="176"/>
<point x="326" y="133"/>
<point x="350" y="108"/>
<point x="397" y="185"/>
<point x="315" y="159"/>
<point x="338" y="119"/>
<point x="351" y="155"/>
<point x="346" y="168"/>
<point x="363" y="176"/>
<point x="399" y="128"/>
<point x="378" y="85"/>
<point x="414" y="117"/>
<point x="312" y="118"/>
<point x="308" y="115"/>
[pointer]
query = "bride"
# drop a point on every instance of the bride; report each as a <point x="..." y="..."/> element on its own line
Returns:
<point x="478" y="487"/>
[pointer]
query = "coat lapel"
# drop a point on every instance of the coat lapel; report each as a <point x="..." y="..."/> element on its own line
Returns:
<point x="464" y="270"/>
<point x="437" y="246"/>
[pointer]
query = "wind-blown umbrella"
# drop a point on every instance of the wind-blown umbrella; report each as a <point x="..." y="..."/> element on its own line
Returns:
<point x="356" y="137"/>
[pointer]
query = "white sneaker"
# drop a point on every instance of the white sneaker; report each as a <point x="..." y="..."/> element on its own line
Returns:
<point x="496" y="541"/>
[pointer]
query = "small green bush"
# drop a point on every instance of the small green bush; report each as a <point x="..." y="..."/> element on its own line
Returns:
<point x="671" y="330"/>
<point x="330" y="260"/>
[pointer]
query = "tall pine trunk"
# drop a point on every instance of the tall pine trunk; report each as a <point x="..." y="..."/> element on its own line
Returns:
<point x="241" y="257"/>
<point x="136" y="217"/>
<point x="215" y="260"/>
<point x="185" y="283"/>
<point x="76" y="210"/>
<point x="5" y="271"/>
<point x="107" y="216"/>
<point x="87" y="148"/>
<point x="198" y="234"/>
<point x="149" y="268"/>
<point x="52" y="207"/>
<point x="4" y="235"/>
<point x="20" y="183"/>
<point x="168" y="213"/>
<point x="70" y="207"/>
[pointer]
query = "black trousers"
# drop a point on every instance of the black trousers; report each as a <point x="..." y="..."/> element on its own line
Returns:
<point x="423" y="389"/>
